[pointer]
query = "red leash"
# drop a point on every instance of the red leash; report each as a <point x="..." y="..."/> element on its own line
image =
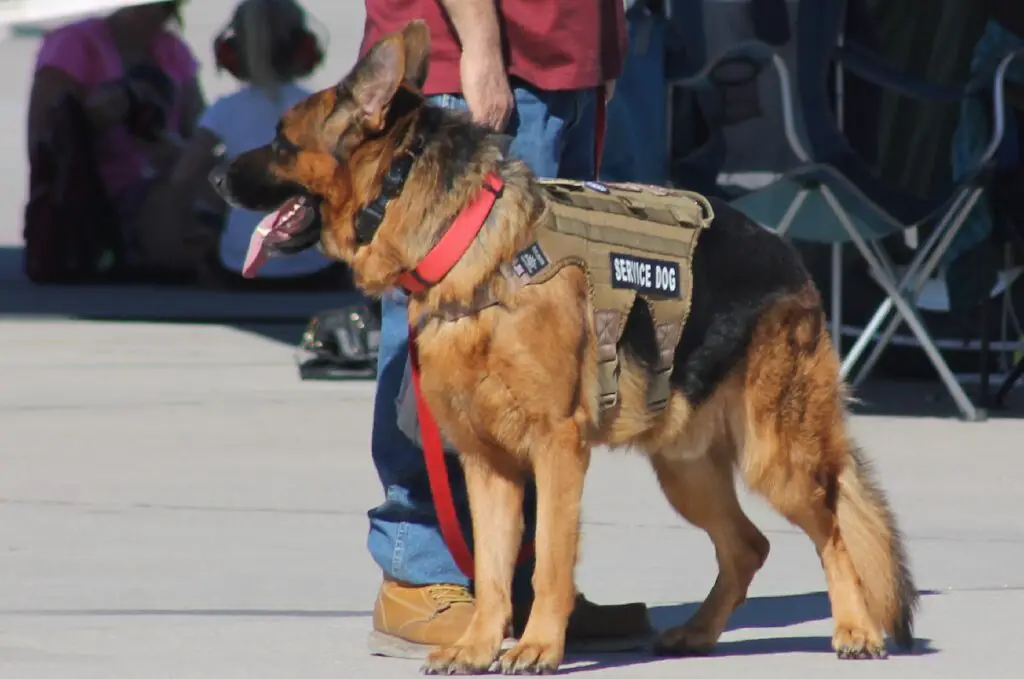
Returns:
<point x="599" y="129"/>
<point x="437" y="472"/>
<point x="430" y="434"/>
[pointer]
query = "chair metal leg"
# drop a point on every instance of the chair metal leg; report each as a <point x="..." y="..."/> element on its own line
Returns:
<point x="908" y="312"/>
<point x="881" y="313"/>
<point x="984" y="355"/>
<point x="837" y="297"/>
<point x="910" y="284"/>
<point x="1007" y="385"/>
<point x="908" y="279"/>
<point x="790" y="214"/>
<point x="913" y="281"/>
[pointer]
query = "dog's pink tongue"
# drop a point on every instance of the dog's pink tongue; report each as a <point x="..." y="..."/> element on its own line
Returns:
<point x="258" y="251"/>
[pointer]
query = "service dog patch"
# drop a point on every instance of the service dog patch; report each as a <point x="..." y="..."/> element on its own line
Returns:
<point x="530" y="261"/>
<point x="654" y="276"/>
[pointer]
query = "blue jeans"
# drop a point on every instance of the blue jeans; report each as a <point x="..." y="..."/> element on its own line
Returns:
<point x="553" y="133"/>
<point x="636" y="146"/>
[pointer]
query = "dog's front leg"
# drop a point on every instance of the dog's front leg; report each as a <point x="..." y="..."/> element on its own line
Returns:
<point x="559" y="469"/>
<point x="496" y="506"/>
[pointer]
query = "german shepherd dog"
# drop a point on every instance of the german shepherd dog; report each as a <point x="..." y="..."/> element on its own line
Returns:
<point x="755" y="384"/>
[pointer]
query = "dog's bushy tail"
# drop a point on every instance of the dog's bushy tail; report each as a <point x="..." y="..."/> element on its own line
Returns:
<point x="876" y="548"/>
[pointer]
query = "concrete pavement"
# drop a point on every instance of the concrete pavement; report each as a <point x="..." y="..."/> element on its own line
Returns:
<point x="176" y="504"/>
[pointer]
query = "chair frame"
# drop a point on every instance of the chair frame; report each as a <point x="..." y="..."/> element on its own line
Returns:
<point x="924" y="264"/>
<point x="897" y="308"/>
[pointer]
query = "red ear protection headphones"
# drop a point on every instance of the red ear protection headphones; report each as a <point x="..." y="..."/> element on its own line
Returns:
<point x="296" y="57"/>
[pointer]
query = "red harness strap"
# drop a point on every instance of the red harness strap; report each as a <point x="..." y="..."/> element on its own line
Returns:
<point x="430" y="270"/>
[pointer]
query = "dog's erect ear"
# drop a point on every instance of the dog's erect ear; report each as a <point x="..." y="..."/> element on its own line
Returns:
<point x="416" y="37"/>
<point x="377" y="76"/>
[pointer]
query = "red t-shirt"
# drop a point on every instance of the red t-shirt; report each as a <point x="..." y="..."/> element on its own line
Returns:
<point x="551" y="44"/>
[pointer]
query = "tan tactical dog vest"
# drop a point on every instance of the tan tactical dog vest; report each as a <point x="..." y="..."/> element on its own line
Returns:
<point x="632" y="240"/>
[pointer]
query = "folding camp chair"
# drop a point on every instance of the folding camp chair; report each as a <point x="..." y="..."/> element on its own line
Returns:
<point x="832" y="196"/>
<point x="718" y="50"/>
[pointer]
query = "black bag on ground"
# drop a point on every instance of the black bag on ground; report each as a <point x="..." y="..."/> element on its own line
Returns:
<point x="340" y="341"/>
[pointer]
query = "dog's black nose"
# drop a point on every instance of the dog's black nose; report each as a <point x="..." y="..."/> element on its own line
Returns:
<point x="219" y="179"/>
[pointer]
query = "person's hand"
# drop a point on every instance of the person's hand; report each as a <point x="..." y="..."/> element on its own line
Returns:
<point x="485" y="87"/>
<point x="107" y="104"/>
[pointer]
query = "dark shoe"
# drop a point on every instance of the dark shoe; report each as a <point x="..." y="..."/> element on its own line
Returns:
<point x="599" y="629"/>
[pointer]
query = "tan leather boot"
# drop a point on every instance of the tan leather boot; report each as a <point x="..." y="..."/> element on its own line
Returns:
<point x="409" y="620"/>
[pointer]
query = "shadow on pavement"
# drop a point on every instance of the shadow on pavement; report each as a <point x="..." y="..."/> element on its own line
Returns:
<point x="277" y="316"/>
<point x="756" y="613"/>
<point x="183" y="612"/>
<point x="769" y="612"/>
<point x="922" y="399"/>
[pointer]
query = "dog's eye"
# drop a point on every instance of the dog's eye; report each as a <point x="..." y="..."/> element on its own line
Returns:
<point x="281" y="147"/>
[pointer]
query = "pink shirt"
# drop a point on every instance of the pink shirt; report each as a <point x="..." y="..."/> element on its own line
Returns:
<point x="85" y="51"/>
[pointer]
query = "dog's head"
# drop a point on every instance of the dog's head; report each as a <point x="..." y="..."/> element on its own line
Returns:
<point x="326" y="155"/>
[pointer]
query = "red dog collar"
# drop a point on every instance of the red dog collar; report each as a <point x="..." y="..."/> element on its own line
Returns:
<point x="443" y="257"/>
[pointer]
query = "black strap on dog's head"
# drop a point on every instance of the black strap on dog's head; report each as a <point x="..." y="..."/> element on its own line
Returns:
<point x="369" y="218"/>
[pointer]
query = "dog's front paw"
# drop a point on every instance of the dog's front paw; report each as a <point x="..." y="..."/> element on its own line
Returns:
<point x="855" y="644"/>
<point x="472" y="658"/>
<point x="533" y="658"/>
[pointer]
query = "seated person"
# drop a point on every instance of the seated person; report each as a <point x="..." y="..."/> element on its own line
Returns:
<point x="113" y="99"/>
<point x="267" y="46"/>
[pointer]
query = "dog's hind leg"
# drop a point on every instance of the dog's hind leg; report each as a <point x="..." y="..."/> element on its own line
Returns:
<point x="559" y="468"/>
<point x="798" y="454"/>
<point x="496" y="501"/>
<point x="702" y="490"/>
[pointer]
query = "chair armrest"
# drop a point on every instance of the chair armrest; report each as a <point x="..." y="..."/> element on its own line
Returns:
<point x="869" y="66"/>
<point x="753" y="52"/>
<point x="996" y="83"/>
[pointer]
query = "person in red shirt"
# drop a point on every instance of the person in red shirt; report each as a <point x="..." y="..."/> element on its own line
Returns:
<point x="535" y="69"/>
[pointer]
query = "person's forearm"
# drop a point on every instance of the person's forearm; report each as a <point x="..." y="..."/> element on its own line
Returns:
<point x="476" y="23"/>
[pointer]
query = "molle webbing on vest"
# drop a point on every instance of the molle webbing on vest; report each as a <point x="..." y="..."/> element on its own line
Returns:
<point x="632" y="240"/>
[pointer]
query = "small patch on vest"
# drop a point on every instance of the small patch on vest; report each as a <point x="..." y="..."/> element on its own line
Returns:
<point x="597" y="186"/>
<point x="530" y="261"/>
<point x="655" y="276"/>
